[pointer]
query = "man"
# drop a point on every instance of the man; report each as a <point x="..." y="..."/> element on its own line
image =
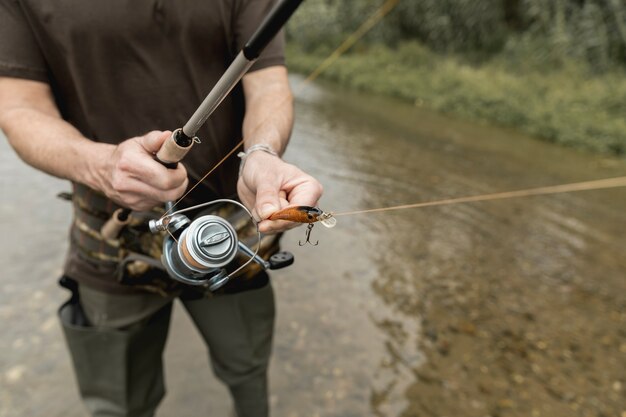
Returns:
<point x="80" y="85"/>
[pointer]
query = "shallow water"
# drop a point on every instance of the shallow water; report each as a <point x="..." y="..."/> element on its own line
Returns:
<point x="503" y="308"/>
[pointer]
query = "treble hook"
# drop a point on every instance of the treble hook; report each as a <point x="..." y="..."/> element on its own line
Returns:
<point x="308" y="236"/>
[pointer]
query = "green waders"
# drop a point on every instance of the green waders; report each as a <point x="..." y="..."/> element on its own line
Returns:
<point x="116" y="342"/>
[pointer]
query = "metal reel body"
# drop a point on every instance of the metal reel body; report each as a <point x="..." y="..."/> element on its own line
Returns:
<point x="196" y="252"/>
<point x="203" y="248"/>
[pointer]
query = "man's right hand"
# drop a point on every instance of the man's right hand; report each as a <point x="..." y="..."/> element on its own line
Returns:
<point x="126" y="173"/>
<point x="131" y="176"/>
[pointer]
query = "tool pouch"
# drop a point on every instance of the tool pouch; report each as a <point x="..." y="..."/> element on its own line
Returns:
<point x="118" y="371"/>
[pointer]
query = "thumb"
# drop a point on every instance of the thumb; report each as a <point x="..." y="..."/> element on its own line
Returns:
<point x="152" y="141"/>
<point x="267" y="200"/>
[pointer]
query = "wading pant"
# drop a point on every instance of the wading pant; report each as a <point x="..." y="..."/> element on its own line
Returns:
<point x="116" y="343"/>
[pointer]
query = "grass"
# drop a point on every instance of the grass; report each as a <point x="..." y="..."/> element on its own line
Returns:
<point x="564" y="105"/>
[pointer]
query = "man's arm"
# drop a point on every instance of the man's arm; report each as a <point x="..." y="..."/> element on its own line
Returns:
<point x="267" y="183"/>
<point x="269" y="108"/>
<point x="126" y="173"/>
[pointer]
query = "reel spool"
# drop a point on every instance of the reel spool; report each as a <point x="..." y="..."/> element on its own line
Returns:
<point x="196" y="252"/>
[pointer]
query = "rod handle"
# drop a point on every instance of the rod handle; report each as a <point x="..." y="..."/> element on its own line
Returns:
<point x="270" y="26"/>
<point x="174" y="149"/>
<point x="112" y="228"/>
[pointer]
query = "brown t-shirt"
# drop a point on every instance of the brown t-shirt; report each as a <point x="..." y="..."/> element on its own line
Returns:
<point x="121" y="68"/>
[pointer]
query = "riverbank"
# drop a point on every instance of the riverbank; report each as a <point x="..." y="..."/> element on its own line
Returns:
<point x="564" y="106"/>
<point x="509" y="308"/>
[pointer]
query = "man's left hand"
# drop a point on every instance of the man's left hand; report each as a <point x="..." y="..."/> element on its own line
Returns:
<point x="268" y="184"/>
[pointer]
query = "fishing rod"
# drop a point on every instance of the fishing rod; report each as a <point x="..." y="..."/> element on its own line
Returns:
<point x="182" y="139"/>
<point x="197" y="252"/>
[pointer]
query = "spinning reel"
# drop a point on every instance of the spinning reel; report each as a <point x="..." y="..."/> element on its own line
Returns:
<point x="197" y="252"/>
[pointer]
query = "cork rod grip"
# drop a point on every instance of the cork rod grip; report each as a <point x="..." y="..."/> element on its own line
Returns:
<point x="173" y="149"/>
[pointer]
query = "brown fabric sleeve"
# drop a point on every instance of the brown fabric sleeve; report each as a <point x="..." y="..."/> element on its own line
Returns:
<point x="20" y="55"/>
<point x="248" y="17"/>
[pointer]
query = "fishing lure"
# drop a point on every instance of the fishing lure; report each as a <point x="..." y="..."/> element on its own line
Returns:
<point x="305" y="214"/>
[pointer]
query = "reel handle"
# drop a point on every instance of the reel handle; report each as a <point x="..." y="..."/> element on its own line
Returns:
<point x="281" y="259"/>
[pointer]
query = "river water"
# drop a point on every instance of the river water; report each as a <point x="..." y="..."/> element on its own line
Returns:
<point x="502" y="308"/>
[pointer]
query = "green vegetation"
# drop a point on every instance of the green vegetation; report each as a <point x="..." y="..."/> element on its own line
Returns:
<point x="552" y="68"/>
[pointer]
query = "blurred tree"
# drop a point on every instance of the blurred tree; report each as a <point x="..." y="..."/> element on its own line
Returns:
<point x="454" y="25"/>
<point x="590" y="31"/>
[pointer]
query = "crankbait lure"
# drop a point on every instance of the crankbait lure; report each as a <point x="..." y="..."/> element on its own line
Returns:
<point x="305" y="214"/>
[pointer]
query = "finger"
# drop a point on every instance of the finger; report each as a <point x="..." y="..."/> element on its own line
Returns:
<point x="306" y="193"/>
<point x="176" y="193"/>
<point x="135" y="195"/>
<point x="134" y="192"/>
<point x="267" y="199"/>
<point x="275" y="226"/>
<point x="167" y="179"/>
<point x="255" y="215"/>
<point x="158" y="176"/>
<point x="165" y="194"/>
<point x="283" y="201"/>
<point x="153" y="141"/>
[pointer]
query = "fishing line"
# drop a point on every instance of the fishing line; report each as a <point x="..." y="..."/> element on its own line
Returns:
<point x="365" y="27"/>
<point x="554" y="189"/>
<point x="203" y="178"/>
<point x="377" y="16"/>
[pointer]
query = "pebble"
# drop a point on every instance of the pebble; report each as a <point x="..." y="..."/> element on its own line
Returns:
<point x="506" y="403"/>
<point x="518" y="378"/>
<point x="48" y="325"/>
<point x="15" y="374"/>
<point x="536" y="368"/>
<point x="477" y="404"/>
